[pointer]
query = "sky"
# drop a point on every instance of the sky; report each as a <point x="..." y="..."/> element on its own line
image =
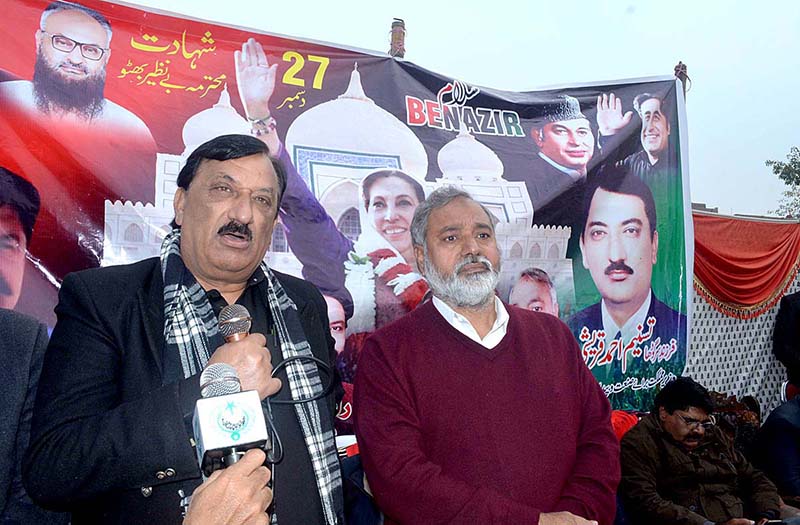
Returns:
<point x="742" y="59"/>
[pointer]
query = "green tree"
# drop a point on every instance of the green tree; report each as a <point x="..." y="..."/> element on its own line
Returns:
<point x="788" y="172"/>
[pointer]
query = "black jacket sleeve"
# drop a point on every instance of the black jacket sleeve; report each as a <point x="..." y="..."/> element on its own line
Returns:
<point x="103" y="421"/>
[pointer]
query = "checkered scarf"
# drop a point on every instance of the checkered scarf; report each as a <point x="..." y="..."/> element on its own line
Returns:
<point x="190" y="328"/>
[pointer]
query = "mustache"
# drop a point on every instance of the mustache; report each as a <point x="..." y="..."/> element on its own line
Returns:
<point x="618" y="266"/>
<point x="70" y="63"/>
<point x="237" y="228"/>
<point x="474" y="259"/>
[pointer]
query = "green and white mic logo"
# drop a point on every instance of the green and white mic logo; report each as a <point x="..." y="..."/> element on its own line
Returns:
<point x="233" y="419"/>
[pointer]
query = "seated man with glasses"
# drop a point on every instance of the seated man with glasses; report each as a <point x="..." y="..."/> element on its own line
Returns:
<point x="679" y="468"/>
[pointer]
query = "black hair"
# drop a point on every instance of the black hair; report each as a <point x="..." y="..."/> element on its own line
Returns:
<point x="373" y="177"/>
<point x="682" y="394"/>
<point x="21" y="195"/>
<point x="618" y="179"/>
<point x="344" y="298"/>
<point x="641" y="98"/>
<point x="229" y="147"/>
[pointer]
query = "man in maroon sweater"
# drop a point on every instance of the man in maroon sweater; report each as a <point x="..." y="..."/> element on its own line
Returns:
<point x="473" y="411"/>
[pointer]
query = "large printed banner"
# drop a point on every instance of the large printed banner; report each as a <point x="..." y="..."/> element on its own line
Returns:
<point x="101" y="103"/>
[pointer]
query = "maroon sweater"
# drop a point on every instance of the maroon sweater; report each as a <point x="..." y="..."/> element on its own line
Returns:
<point x="452" y="432"/>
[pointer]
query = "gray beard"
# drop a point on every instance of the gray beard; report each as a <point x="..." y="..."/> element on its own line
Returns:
<point x="467" y="291"/>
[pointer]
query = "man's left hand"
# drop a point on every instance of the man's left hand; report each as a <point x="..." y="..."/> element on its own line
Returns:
<point x="238" y="494"/>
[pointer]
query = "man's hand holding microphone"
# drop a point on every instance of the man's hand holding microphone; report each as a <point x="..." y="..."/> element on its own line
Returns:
<point x="230" y="429"/>
<point x="251" y="359"/>
<point x="235" y="495"/>
<point x="246" y="352"/>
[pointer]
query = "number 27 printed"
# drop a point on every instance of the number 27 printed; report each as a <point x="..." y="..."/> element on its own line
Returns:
<point x="298" y="62"/>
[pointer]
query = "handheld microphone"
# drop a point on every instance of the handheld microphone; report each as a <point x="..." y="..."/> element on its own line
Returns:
<point x="234" y="322"/>
<point x="227" y="422"/>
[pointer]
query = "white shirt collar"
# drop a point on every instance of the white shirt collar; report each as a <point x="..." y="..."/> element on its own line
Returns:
<point x="573" y="174"/>
<point x="462" y="324"/>
<point x="628" y="330"/>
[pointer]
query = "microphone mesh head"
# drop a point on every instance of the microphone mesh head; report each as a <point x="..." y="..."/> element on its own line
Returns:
<point x="234" y="319"/>
<point x="219" y="379"/>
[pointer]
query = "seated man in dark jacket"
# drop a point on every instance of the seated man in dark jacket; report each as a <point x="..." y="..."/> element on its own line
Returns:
<point x="778" y="449"/>
<point x="678" y="468"/>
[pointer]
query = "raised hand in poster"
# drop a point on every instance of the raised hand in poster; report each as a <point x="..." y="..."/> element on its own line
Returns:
<point x="376" y="274"/>
<point x="654" y="134"/>
<point x="255" y="78"/>
<point x="610" y="119"/>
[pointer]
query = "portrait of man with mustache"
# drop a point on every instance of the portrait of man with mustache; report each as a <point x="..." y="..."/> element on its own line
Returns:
<point x="632" y="330"/>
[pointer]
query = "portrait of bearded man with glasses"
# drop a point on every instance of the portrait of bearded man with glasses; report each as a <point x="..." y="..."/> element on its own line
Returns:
<point x="69" y="75"/>
<point x="61" y="132"/>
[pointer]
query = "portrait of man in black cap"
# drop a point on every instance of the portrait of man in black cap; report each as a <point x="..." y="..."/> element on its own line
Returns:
<point x="564" y="137"/>
<point x="564" y="144"/>
<point x="19" y="206"/>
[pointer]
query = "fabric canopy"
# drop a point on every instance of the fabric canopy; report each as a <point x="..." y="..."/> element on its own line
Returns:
<point x="742" y="266"/>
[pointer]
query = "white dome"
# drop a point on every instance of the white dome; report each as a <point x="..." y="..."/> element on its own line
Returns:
<point x="466" y="159"/>
<point x="354" y="123"/>
<point x="220" y="119"/>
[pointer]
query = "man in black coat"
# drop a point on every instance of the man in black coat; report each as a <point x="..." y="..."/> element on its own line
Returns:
<point x="111" y="439"/>
<point x="19" y="207"/>
<point x="778" y="450"/>
<point x="678" y="468"/>
<point x="22" y="347"/>
<point x="786" y="337"/>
